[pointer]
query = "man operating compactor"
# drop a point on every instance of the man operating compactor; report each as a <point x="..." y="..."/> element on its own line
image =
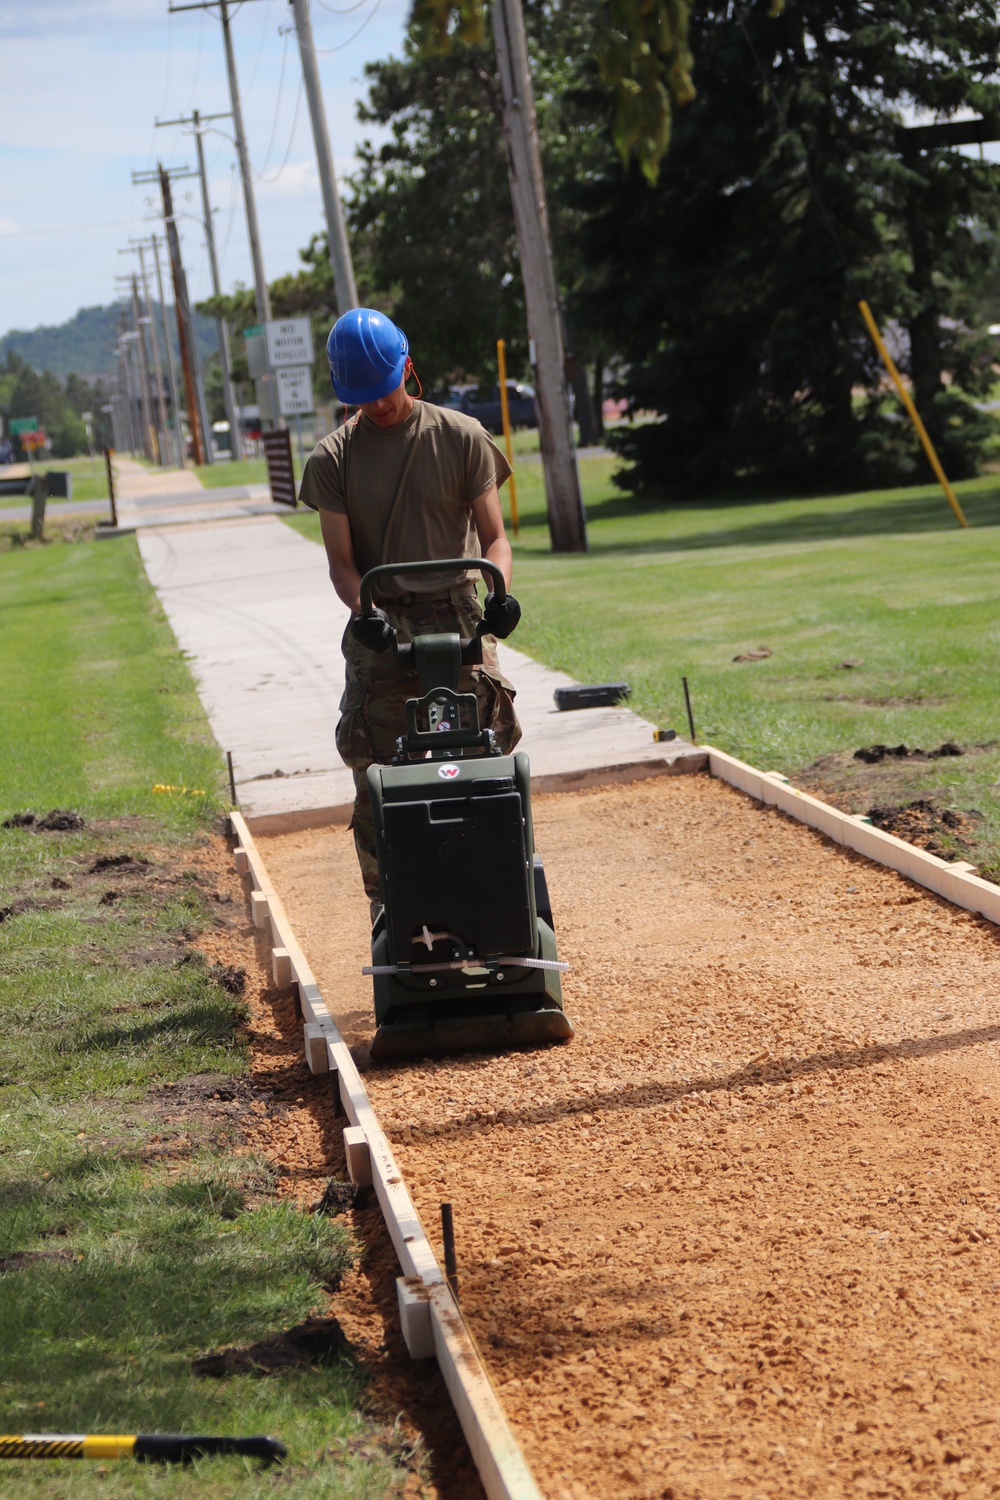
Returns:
<point x="404" y="481"/>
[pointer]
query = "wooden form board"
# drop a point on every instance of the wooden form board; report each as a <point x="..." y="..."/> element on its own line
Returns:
<point x="956" y="881"/>
<point x="501" y="1464"/>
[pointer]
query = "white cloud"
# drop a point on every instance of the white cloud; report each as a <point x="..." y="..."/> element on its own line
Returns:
<point x="299" y="179"/>
<point x="110" y="68"/>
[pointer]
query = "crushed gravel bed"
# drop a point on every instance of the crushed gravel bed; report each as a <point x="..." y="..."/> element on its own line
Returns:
<point x="740" y="1237"/>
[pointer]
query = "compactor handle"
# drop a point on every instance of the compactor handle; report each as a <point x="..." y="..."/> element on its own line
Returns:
<point x="451" y="564"/>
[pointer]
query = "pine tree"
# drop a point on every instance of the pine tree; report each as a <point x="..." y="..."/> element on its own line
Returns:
<point x="788" y="193"/>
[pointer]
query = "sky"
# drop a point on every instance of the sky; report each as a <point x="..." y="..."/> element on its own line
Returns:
<point x="81" y="86"/>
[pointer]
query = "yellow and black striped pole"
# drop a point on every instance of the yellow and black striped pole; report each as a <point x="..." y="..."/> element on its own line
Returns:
<point x="912" y="412"/>
<point x="146" y="1447"/>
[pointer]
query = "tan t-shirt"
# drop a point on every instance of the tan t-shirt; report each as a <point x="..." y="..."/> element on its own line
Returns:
<point x="407" y="490"/>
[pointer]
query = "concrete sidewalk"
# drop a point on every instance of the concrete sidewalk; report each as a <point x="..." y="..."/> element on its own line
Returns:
<point x="177" y="497"/>
<point x="251" y="604"/>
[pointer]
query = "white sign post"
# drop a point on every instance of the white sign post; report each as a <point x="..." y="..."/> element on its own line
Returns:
<point x="289" y="342"/>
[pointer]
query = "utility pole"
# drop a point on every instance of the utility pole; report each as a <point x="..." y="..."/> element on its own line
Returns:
<point x="336" y="229"/>
<point x="126" y="384"/>
<point x="185" y="321"/>
<point x="222" y="327"/>
<point x="147" y="411"/>
<point x="262" y="297"/>
<point x="140" y="245"/>
<point x="261" y="294"/>
<point x="175" y="404"/>
<point x="125" y="380"/>
<point x="567" y="523"/>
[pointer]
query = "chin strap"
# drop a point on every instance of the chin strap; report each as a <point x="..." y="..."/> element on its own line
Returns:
<point x="411" y="371"/>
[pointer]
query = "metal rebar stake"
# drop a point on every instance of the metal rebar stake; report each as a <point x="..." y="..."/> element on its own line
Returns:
<point x="448" y="1235"/>
<point x="687" y="704"/>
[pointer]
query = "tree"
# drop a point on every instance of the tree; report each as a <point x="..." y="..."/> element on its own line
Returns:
<point x="25" y="392"/>
<point x="642" y="50"/>
<point x="732" y="286"/>
<point x="431" y="214"/>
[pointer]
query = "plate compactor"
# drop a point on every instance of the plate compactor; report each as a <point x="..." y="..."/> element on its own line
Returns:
<point x="463" y="951"/>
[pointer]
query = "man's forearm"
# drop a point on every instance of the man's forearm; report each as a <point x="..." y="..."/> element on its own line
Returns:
<point x="499" y="552"/>
<point x="347" y="582"/>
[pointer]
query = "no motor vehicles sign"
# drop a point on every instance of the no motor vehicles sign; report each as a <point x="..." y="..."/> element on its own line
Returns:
<point x="289" y="342"/>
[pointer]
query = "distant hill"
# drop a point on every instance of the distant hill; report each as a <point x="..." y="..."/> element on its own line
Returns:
<point x="86" y="344"/>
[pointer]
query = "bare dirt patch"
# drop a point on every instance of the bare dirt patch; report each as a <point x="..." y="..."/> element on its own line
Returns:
<point x="903" y="790"/>
<point x="739" y="1238"/>
<point x="940" y="831"/>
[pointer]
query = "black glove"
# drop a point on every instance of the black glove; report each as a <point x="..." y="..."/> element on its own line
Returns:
<point x="501" y="615"/>
<point x="373" y="631"/>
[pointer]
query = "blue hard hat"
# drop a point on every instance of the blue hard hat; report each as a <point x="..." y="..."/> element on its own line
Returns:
<point x="367" y="355"/>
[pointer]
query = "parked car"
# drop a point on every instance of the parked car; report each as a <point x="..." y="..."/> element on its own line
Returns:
<point x="486" y="407"/>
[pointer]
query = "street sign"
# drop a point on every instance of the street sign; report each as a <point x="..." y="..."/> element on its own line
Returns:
<point x="24" y="424"/>
<point x="255" y="348"/>
<point x="267" y="398"/>
<point x="289" y="342"/>
<point x="295" y="393"/>
<point x="34" y="439"/>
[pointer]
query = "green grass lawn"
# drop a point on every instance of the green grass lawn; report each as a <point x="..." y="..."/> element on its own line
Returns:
<point x="89" y="480"/>
<point x="131" y="1244"/>
<point x="243" y="471"/>
<point x="885" y="579"/>
<point x="254" y="470"/>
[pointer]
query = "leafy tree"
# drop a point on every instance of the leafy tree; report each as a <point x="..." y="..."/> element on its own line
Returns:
<point x="431" y="216"/>
<point x="642" y="49"/>
<point x="733" y="302"/>
<point x="24" y="392"/>
<point x="431" y="213"/>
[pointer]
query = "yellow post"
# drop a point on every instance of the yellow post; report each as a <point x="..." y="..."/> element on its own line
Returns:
<point x="914" y="415"/>
<point x="505" y="413"/>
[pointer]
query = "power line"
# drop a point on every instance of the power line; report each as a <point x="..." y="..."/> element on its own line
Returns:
<point x="338" y="11"/>
<point x="341" y="45"/>
<point x="170" y="48"/>
<point x="277" y="108"/>
<point x="197" y="61"/>
<point x="232" y="209"/>
<point x="260" y="48"/>
<point x="291" y="141"/>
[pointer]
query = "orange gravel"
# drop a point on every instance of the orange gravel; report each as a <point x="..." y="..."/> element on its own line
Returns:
<point x="739" y="1238"/>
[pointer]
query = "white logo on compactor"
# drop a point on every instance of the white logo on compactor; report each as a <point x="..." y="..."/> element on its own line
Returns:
<point x="447" y="773"/>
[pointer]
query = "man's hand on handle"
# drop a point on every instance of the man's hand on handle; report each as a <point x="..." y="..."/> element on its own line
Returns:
<point x="501" y="616"/>
<point x="373" y="631"/>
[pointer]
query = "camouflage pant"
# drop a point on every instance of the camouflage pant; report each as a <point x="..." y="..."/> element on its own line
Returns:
<point x="373" y="712"/>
